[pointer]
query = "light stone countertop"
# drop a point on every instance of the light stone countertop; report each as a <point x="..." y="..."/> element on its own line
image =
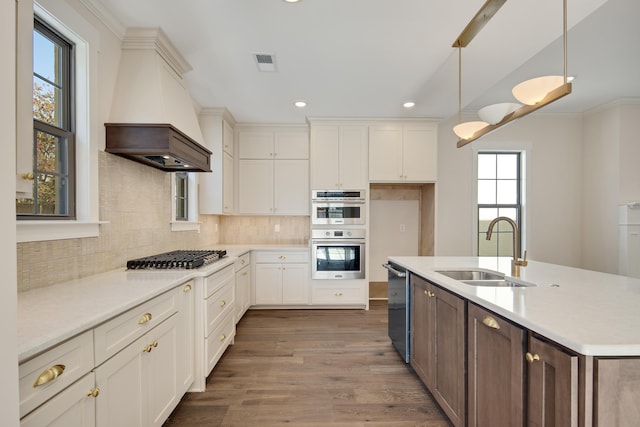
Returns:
<point x="592" y="313"/>
<point x="48" y="316"/>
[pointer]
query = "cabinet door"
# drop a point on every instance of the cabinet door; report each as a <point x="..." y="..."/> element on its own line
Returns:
<point x="268" y="284"/>
<point x="324" y="157"/>
<point x="616" y="389"/>
<point x="255" y="145"/>
<point x="552" y="386"/>
<point x="353" y="157"/>
<point x="385" y="154"/>
<point x="291" y="182"/>
<point x="227" y="138"/>
<point x="227" y="183"/>
<point x="422" y="330"/>
<point x="419" y="154"/>
<point x="243" y="286"/>
<point x="291" y="145"/>
<point x="186" y="338"/>
<point x="295" y="283"/>
<point x="495" y="370"/>
<point x="255" y="187"/>
<point x="73" y="407"/>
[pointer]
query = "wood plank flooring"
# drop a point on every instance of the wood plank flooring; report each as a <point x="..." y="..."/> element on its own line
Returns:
<point x="311" y="368"/>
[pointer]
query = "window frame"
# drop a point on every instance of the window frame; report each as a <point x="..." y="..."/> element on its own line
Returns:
<point x="181" y="197"/>
<point x="519" y="206"/>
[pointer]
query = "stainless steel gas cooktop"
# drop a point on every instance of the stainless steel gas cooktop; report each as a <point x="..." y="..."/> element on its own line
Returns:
<point x="180" y="259"/>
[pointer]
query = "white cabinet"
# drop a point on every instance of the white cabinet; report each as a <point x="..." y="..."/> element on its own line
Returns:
<point x="186" y="338"/>
<point x="403" y="153"/>
<point x="273" y="172"/>
<point x="281" y="278"/>
<point x="216" y="187"/>
<point x="243" y="285"/>
<point x="338" y="156"/>
<point x="339" y="293"/>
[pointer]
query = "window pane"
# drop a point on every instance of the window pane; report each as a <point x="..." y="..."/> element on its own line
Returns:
<point x="486" y="166"/>
<point x="507" y="166"/>
<point x="507" y="192"/>
<point x="486" y="192"/>
<point x="47" y="58"/>
<point x="49" y="149"/>
<point x="485" y="216"/>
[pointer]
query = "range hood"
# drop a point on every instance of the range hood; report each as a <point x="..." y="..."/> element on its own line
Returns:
<point x="153" y="120"/>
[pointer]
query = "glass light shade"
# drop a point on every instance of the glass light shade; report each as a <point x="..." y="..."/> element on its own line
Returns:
<point x="494" y="113"/>
<point x="467" y="129"/>
<point x="532" y="91"/>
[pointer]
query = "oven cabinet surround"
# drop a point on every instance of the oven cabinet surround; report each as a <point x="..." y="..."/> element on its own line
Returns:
<point x="340" y="293"/>
<point x="243" y="285"/>
<point x="214" y="321"/>
<point x="273" y="170"/>
<point x="216" y="188"/>
<point x="339" y="153"/>
<point x="527" y="363"/>
<point x="128" y="370"/>
<point x="403" y="152"/>
<point x="281" y="278"/>
<point x="437" y="345"/>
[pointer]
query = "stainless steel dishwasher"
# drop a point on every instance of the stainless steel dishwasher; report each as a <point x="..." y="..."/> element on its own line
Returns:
<point x="398" y="303"/>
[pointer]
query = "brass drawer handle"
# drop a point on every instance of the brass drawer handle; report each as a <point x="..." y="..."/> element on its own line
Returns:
<point x="223" y="337"/>
<point x="223" y="303"/>
<point x="186" y="288"/>
<point x="338" y="294"/>
<point x="148" y="349"/>
<point x="491" y="322"/>
<point x="145" y="318"/>
<point x="94" y="392"/>
<point x="283" y="257"/>
<point x="430" y="294"/>
<point x="49" y="375"/>
<point x="531" y="357"/>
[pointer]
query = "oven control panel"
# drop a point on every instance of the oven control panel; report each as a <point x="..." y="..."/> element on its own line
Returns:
<point x="355" y="233"/>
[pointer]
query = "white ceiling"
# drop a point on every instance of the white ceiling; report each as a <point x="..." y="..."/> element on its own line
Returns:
<point x="364" y="58"/>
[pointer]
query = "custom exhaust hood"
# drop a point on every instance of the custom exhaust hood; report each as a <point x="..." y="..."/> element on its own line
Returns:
<point x="153" y="119"/>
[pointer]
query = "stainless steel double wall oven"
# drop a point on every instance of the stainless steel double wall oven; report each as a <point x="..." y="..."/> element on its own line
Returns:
<point x="338" y="234"/>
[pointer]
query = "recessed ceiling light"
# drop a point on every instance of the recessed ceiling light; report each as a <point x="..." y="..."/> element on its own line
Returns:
<point x="409" y="104"/>
<point x="292" y="1"/>
<point x="299" y="104"/>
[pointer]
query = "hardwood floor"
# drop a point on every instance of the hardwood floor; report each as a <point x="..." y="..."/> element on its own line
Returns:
<point x="311" y="368"/>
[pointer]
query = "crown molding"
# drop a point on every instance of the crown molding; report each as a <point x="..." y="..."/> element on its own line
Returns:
<point x="105" y="16"/>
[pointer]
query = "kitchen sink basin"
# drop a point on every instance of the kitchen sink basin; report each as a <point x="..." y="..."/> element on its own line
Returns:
<point x="473" y="275"/>
<point x="498" y="283"/>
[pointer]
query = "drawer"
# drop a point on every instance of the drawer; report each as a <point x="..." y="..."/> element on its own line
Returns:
<point x="217" y="306"/>
<point x="282" y="257"/>
<point x="117" y="333"/>
<point x="243" y="261"/>
<point x="337" y="294"/>
<point x="56" y="368"/>
<point x="218" y="341"/>
<point x="217" y="280"/>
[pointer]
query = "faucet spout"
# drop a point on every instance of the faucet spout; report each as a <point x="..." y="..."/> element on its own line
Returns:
<point x="516" y="263"/>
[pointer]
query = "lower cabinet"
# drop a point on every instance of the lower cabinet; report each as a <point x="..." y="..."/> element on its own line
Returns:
<point x="281" y="278"/>
<point x="348" y="293"/>
<point x="495" y="370"/>
<point x="138" y="386"/>
<point x="437" y="345"/>
<point x="185" y="369"/>
<point x="243" y="286"/>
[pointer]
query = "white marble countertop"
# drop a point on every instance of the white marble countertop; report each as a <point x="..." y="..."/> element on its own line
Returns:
<point x="592" y="313"/>
<point x="48" y="316"/>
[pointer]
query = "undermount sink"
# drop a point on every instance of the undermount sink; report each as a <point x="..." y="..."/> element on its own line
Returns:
<point x="485" y="278"/>
<point x="472" y="275"/>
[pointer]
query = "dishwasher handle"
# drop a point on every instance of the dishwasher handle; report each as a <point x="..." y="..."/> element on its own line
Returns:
<point x="394" y="271"/>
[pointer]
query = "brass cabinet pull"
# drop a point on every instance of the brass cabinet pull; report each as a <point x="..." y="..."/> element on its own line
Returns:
<point x="245" y="273"/>
<point x="49" y="375"/>
<point x="283" y="257"/>
<point x="186" y="288"/>
<point x="223" y="337"/>
<point x="491" y="322"/>
<point x="155" y="343"/>
<point x="223" y="303"/>
<point x="94" y="392"/>
<point x="430" y="294"/>
<point x="338" y="294"/>
<point x="243" y="262"/>
<point x="147" y="349"/>
<point x="531" y="357"/>
<point x="144" y="319"/>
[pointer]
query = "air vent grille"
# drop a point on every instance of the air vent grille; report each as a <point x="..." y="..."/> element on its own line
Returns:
<point x="265" y="62"/>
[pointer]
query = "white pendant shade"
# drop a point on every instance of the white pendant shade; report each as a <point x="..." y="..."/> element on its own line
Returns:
<point x="494" y="113"/>
<point x="532" y="91"/>
<point x="467" y="129"/>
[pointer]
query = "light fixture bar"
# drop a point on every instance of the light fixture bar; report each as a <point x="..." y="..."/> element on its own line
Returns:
<point x="552" y="96"/>
<point x="476" y="24"/>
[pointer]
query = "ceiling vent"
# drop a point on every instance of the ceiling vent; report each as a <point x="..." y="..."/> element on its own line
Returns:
<point x="265" y="62"/>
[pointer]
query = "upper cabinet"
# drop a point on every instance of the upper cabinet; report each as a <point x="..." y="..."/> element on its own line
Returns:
<point x="216" y="187"/>
<point x="338" y="156"/>
<point x="273" y="170"/>
<point x="403" y="152"/>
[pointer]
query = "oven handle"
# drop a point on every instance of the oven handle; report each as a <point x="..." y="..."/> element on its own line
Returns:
<point x="338" y="242"/>
<point x="394" y="271"/>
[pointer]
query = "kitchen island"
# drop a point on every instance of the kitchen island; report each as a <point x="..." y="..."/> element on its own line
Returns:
<point x="564" y="350"/>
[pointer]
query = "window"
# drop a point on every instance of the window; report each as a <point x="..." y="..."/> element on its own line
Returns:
<point x="53" y="173"/>
<point x="499" y="194"/>
<point x="182" y="196"/>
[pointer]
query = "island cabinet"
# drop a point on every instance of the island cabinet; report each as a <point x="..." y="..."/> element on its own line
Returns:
<point x="404" y="152"/>
<point x="273" y="172"/>
<point x="339" y="156"/>
<point x="496" y="381"/>
<point x="437" y="345"/>
<point x="281" y="278"/>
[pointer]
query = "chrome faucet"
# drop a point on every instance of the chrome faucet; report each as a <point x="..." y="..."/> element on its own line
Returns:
<point x="515" y="262"/>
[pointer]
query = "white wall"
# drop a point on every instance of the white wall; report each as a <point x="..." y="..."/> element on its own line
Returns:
<point x="554" y="185"/>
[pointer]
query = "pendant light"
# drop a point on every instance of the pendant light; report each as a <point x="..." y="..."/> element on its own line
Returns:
<point x="464" y="130"/>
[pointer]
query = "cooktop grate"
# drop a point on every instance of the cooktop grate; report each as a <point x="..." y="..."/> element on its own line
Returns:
<point x="180" y="259"/>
